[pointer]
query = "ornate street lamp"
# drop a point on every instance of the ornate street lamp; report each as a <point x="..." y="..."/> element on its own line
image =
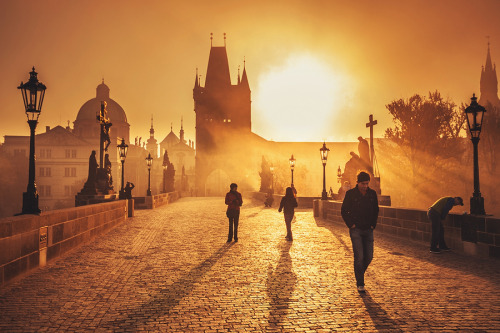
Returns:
<point x="339" y="174"/>
<point x="122" y="150"/>
<point x="33" y="92"/>
<point x="292" y="166"/>
<point x="149" y="162"/>
<point x="324" y="155"/>
<point x="474" y="113"/>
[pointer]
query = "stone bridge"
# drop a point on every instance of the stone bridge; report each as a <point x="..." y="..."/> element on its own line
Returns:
<point x="171" y="270"/>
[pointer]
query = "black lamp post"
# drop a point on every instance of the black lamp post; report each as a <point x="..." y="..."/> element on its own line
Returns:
<point x="149" y="161"/>
<point x="292" y="166"/>
<point x="324" y="155"/>
<point x="475" y="114"/>
<point x="122" y="150"/>
<point x="33" y="92"/>
<point x="339" y="174"/>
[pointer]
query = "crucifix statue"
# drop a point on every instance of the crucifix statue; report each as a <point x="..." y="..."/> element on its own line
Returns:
<point x="105" y="123"/>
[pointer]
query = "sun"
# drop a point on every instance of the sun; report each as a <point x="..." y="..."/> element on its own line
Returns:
<point x="298" y="100"/>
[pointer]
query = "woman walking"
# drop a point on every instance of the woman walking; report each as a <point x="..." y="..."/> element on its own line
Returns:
<point x="288" y="204"/>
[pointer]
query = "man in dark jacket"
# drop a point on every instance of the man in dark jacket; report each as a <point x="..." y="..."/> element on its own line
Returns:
<point x="360" y="213"/>
<point x="233" y="202"/>
<point x="436" y="214"/>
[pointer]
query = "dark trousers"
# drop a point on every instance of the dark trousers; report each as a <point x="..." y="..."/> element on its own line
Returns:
<point x="437" y="237"/>
<point x="234" y="218"/>
<point x="362" y="247"/>
<point x="288" y="222"/>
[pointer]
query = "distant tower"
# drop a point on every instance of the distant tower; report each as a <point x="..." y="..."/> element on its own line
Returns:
<point x="489" y="82"/>
<point x="152" y="145"/>
<point x="223" y="111"/>
<point x="181" y="133"/>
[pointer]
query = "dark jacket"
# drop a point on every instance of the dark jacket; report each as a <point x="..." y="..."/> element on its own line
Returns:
<point x="361" y="210"/>
<point x="233" y="200"/>
<point x="288" y="205"/>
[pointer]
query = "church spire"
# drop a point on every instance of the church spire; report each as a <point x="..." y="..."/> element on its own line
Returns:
<point x="196" y="79"/>
<point x="244" y="78"/>
<point x="489" y="82"/>
<point x="151" y="130"/>
<point x="181" y="133"/>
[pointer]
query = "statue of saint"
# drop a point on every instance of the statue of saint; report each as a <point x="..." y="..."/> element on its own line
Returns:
<point x="105" y="125"/>
<point x="92" y="168"/>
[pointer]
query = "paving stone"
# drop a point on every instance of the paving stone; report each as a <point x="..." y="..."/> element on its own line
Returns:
<point x="171" y="270"/>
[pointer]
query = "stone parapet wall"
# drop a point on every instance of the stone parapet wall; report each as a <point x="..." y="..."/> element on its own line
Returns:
<point x="303" y="202"/>
<point x="153" y="201"/>
<point x="474" y="235"/>
<point x="29" y="241"/>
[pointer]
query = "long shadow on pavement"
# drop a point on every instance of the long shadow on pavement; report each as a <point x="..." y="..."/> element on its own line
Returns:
<point x="280" y="286"/>
<point x="485" y="268"/>
<point x="168" y="298"/>
<point x="379" y="316"/>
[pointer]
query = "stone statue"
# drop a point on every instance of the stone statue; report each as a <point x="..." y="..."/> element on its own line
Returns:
<point x="364" y="152"/>
<point x="107" y="167"/>
<point x="105" y="125"/>
<point x="92" y="167"/>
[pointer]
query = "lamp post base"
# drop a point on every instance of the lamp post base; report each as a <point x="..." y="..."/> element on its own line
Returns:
<point x="477" y="205"/>
<point x="324" y="195"/>
<point x="148" y="193"/>
<point x="30" y="203"/>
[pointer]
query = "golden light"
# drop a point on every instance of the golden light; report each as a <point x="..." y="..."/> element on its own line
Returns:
<point x="296" y="102"/>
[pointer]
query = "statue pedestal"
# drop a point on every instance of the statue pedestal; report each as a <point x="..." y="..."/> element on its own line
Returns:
<point x="83" y="199"/>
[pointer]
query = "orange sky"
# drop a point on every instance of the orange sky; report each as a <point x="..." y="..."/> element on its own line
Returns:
<point x="148" y="51"/>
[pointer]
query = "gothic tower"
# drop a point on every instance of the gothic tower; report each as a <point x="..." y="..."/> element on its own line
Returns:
<point x="223" y="113"/>
<point x="489" y="83"/>
<point x="152" y="145"/>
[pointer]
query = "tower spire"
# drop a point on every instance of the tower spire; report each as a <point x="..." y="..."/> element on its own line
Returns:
<point x="181" y="133"/>
<point x="152" y="130"/>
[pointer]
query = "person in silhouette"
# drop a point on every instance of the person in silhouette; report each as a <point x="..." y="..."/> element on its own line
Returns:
<point x="436" y="214"/>
<point x="360" y="212"/>
<point x="269" y="199"/>
<point x="233" y="202"/>
<point x="128" y="190"/>
<point x="288" y="204"/>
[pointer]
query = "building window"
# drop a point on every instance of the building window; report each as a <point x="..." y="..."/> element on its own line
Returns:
<point x="45" y="190"/>
<point x="69" y="172"/>
<point x="67" y="153"/>
<point x="45" y="172"/>
<point x="73" y="153"/>
<point x="67" y="190"/>
<point x="45" y="153"/>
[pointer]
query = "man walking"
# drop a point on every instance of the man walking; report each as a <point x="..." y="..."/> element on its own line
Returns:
<point x="436" y="214"/>
<point x="360" y="213"/>
<point x="233" y="202"/>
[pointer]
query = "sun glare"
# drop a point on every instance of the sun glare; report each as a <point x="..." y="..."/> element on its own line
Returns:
<point x="297" y="101"/>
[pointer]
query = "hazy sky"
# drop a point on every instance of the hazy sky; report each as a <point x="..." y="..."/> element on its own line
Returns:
<point x="317" y="69"/>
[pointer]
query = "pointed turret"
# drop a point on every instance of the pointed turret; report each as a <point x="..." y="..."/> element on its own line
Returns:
<point x="218" y="68"/>
<point x="489" y="82"/>
<point x="151" y="130"/>
<point x="244" y="79"/>
<point x="181" y="133"/>
<point x="196" y="79"/>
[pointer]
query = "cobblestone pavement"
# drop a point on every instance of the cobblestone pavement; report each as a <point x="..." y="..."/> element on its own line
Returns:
<point x="171" y="270"/>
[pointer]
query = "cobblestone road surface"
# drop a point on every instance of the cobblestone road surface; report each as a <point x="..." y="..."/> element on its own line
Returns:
<point x="171" y="270"/>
